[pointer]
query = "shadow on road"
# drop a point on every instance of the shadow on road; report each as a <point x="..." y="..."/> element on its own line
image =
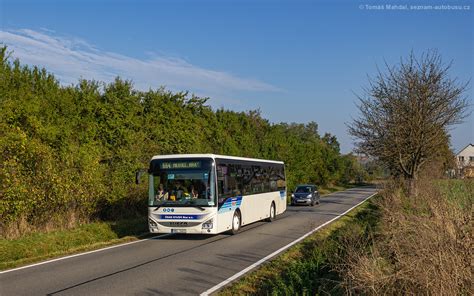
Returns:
<point x="190" y="237"/>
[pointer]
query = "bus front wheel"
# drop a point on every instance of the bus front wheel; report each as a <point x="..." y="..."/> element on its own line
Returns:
<point x="236" y="222"/>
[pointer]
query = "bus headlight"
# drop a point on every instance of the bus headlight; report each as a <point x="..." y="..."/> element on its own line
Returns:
<point x="152" y="223"/>
<point x="208" y="224"/>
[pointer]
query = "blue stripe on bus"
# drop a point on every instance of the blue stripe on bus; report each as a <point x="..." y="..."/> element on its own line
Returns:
<point x="229" y="206"/>
<point x="231" y="203"/>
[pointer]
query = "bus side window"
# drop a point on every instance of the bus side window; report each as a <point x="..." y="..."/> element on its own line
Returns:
<point x="257" y="180"/>
<point x="281" y="183"/>
<point x="273" y="179"/>
<point x="226" y="181"/>
<point x="221" y="182"/>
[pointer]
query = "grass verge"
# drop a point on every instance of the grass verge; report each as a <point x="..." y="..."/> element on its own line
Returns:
<point x="308" y="267"/>
<point x="41" y="246"/>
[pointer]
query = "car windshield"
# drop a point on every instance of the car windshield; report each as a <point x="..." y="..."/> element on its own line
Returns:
<point x="304" y="189"/>
<point x="181" y="182"/>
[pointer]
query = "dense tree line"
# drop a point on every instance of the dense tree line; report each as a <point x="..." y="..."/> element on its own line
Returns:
<point x="69" y="153"/>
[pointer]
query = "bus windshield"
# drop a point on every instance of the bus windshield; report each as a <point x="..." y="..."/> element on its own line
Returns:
<point x="182" y="182"/>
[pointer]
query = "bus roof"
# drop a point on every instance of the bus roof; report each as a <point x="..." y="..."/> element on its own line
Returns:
<point x="213" y="156"/>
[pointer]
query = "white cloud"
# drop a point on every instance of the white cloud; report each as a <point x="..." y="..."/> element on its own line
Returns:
<point x="72" y="58"/>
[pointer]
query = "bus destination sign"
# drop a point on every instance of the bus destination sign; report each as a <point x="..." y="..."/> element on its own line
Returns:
<point x="181" y="165"/>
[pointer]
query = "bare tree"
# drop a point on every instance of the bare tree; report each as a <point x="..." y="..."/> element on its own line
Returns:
<point x="406" y="111"/>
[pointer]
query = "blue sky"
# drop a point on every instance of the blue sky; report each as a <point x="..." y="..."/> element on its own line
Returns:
<point x="298" y="61"/>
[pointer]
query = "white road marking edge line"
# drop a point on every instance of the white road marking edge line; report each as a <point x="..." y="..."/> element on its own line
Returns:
<point x="261" y="261"/>
<point x="85" y="253"/>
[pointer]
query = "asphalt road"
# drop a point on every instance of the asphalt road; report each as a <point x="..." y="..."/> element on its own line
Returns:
<point x="175" y="264"/>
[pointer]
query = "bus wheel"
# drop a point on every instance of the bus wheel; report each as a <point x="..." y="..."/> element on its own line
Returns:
<point x="236" y="222"/>
<point x="272" y="213"/>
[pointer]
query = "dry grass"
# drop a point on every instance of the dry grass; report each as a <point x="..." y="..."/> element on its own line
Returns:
<point x="424" y="244"/>
<point x="60" y="221"/>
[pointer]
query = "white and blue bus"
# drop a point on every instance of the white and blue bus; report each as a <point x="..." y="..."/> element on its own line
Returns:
<point x="207" y="193"/>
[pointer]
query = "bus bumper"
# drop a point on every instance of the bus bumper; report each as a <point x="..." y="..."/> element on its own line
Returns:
<point x="201" y="228"/>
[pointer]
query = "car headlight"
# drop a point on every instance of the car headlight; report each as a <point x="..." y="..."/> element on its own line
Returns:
<point x="292" y="195"/>
<point x="309" y="196"/>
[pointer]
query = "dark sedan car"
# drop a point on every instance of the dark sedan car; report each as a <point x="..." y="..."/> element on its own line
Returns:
<point x="306" y="194"/>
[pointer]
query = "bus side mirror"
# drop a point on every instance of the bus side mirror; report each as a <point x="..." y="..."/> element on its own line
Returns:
<point x="138" y="175"/>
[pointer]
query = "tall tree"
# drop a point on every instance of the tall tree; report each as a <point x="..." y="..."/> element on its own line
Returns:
<point x="406" y="111"/>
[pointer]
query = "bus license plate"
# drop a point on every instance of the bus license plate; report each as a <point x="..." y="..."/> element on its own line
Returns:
<point x="178" y="230"/>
